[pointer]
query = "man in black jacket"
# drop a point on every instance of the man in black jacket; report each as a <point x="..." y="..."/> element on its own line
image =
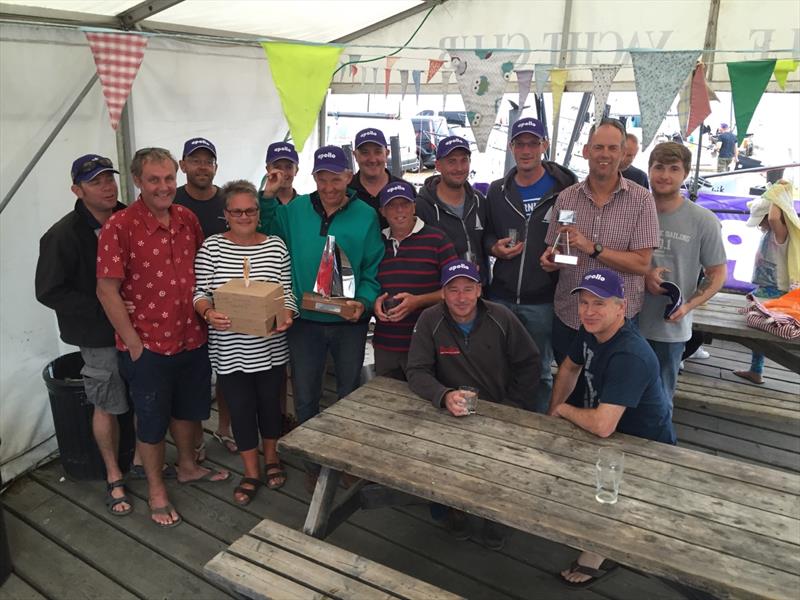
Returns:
<point x="66" y="282"/>
<point x="520" y="205"/>
<point x="448" y="202"/>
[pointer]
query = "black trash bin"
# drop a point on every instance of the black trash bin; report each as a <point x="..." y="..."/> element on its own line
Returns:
<point x="72" y="419"/>
<point x="5" y="553"/>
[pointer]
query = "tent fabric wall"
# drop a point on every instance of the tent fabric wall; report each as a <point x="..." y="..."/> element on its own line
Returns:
<point x="183" y="90"/>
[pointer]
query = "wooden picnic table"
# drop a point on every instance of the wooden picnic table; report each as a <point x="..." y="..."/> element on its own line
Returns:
<point x="720" y="317"/>
<point x="729" y="528"/>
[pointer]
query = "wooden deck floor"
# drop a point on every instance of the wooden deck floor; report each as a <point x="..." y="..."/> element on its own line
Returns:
<point x="65" y="545"/>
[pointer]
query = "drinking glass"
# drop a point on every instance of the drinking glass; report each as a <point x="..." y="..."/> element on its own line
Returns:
<point x="609" y="467"/>
<point x="470" y="395"/>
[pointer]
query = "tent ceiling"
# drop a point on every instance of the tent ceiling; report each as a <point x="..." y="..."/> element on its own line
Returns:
<point x="310" y="21"/>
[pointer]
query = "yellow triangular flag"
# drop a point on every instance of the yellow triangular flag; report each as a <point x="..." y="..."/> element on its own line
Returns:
<point x="302" y="74"/>
<point x="558" y="81"/>
<point x="783" y="67"/>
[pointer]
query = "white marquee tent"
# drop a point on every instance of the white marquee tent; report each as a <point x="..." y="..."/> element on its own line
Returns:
<point x="205" y="74"/>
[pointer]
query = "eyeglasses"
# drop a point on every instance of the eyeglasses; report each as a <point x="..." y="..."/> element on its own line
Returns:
<point x="240" y="212"/>
<point x="533" y="144"/>
<point x="204" y="162"/>
<point x="90" y="165"/>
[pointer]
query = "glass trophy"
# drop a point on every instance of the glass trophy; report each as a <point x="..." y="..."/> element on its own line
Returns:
<point x="562" y="254"/>
<point x="335" y="283"/>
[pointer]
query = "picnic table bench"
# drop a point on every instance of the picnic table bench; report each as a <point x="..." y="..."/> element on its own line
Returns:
<point x="275" y="562"/>
<point x="723" y="526"/>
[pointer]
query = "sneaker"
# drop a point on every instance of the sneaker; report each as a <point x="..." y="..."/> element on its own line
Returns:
<point x="494" y="535"/>
<point x="457" y="525"/>
<point x="700" y="354"/>
<point x="681" y="367"/>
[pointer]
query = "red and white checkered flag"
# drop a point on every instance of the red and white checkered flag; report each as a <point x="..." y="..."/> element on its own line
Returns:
<point x="117" y="56"/>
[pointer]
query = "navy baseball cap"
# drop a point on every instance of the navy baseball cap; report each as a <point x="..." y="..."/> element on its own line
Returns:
<point x="89" y="166"/>
<point x="603" y="283"/>
<point x="330" y="158"/>
<point x="528" y="125"/>
<point x="397" y="189"/>
<point x="370" y="136"/>
<point x="281" y="150"/>
<point x="448" y="144"/>
<point x="459" y="268"/>
<point x="197" y="143"/>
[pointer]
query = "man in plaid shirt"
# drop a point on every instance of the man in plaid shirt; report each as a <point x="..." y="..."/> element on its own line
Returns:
<point x="616" y="227"/>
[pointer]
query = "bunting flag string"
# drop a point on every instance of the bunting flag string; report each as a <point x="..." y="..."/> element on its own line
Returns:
<point x="700" y="105"/>
<point x="302" y="74"/>
<point x="659" y="76"/>
<point x="602" y="78"/>
<point x="117" y="57"/>
<point x="416" y="75"/>
<point x="433" y="67"/>
<point x="749" y="79"/>
<point x="482" y="78"/>
<point x="403" y="83"/>
<point x="524" y="79"/>
<point x="541" y="73"/>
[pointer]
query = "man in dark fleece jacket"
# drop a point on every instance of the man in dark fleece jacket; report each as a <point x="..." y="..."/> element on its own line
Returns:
<point x="523" y="201"/>
<point x="466" y="341"/>
<point x="448" y="202"/>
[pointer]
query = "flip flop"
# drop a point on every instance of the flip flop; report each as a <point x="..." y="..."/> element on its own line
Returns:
<point x="249" y="492"/>
<point x="278" y="472"/>
<point x="200" y="453"/>
<point x="208" y="478"/>
<point x="165" y="510"/>
<point x="136" y="472"/>
<point x="595" y="575"/>
<point x="112" y="502"/>
<point x="226" y="442"/>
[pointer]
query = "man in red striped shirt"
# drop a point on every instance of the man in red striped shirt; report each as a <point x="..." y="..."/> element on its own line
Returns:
<point x="408" y="274"/>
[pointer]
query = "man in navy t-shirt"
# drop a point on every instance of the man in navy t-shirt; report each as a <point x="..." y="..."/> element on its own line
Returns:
<point x="727" y="147"/>
<point x="622" y="390"/>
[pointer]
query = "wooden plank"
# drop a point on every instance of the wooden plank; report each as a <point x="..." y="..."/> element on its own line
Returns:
<point x="316" y="524"/>
<point x="16" y="588"/>
<point x="743" y="393"/>
<point x="698" y="369"/>
<point x="559" y="436"/>
<point x="655" y="553"/>
<point x="254" y="582"/>
<point x="347" y="563"/>
<point x="728" y="406"/>
<point x="659" y="508"/>
<point x="55" y="571"/>
<point x="99" y="543"/>
<point x="746" y="430"/>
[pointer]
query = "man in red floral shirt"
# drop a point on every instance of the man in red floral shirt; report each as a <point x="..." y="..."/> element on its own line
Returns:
<point x="145" y="256"/>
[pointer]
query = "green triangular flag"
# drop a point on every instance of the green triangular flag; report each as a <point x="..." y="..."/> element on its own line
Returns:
<point x="749" y="79"/>
<point x="302" y="74"/>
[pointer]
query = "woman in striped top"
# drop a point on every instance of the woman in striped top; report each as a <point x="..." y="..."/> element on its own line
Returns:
<point x="250" y="369"/>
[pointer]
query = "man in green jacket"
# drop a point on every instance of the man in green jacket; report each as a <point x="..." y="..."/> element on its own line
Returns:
<point x="304" y="224"/>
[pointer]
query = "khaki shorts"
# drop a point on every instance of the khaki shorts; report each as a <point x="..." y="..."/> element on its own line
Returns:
<point x="102" y="381"/>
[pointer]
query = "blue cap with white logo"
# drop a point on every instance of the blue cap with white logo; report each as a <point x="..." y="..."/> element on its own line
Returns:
<point x="459" y="268"/>
<point x="603" y="283"/>
<point x="528" y="125"/>
<point x="370" y="136"/>
<point x="330" y="158"/>
<point x="397" y="189"/>
<point x="279" y="150"/>
<point x="196" y="144"/>
<point x="450" y="143"/>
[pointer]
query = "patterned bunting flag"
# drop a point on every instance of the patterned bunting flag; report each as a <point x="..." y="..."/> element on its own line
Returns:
<point x="783" y="67"/>
<point x="433" y="67"/>
<point x="482" y="77"/>
<point x="403" y="83"/>
<point x="117" y="57"/>
<point x="541" y="74"/>
<point x="354" y="58"/>
<point x="749" y="79"/>
<point x="602" y="78"/>
<point x="524" y="78"/>
<point x="659" y="76"/>
<point x="416" y="75"/>
<point x="700" y="106"/>
<point x="684" y="104"/>
<point x="387" y="76"/>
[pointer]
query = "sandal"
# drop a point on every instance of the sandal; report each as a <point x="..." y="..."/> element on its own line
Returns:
<point x="200" y="452"/>
<point x="278" y="474"/>
<point x="250" y="493"/>
<point x="595" y="575"/>
<point x="165" y="510"/>
<point x="226" y="442"/>
<point x="137" y="472"/>
<point x="112" y="502"/>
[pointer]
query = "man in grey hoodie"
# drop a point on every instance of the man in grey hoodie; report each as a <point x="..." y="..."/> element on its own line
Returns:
<point x="521" y="204"/>
<point x="448" y="202"/>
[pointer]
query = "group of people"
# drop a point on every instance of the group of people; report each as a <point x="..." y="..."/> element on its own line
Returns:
<point x="466" y="290"/>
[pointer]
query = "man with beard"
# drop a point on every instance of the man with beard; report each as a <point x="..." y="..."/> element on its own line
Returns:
<point x="371" y="153"/>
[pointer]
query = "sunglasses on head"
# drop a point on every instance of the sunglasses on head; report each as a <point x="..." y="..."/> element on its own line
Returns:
<point x="90" y="165"/>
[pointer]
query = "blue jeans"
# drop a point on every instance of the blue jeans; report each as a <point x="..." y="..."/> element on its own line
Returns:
<point x="309" y="343"/>
<point x="669" y="359"/>
<point x="538" y="321"/>
<point x="757" y="363"/>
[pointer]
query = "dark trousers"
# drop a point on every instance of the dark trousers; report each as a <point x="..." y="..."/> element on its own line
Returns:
<point x="255" y="404"/>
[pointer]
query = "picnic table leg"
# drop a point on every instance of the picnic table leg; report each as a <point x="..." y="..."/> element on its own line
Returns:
<point x="321" y="503"/>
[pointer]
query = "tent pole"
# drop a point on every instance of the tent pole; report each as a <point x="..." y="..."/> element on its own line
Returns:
<point x="696" y="182"/>
<point x="46" y="144"/>
<point x="321" y="122"/>
<point x="514" y="113"/>
<point x="125" y="150"/>
<point x="580" y="119"/>
<point x="562" y="62"/>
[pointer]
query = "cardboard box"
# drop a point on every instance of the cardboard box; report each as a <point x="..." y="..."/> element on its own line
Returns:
<point x="331" y="306"/>
<point x="255" y="310"/>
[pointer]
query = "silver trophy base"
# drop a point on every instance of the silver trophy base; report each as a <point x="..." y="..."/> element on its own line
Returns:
<point x="565" y="259"/>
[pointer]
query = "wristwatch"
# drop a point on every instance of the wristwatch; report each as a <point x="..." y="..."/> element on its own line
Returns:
<point x="598" y="248"/>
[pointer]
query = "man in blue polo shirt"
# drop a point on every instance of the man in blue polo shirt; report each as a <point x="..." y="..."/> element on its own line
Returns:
<point x="622" y="390"/>
<point x="727" y="148"/>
